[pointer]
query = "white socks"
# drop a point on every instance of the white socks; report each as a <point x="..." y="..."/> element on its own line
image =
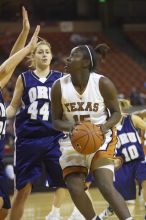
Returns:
<point x="130" y="218"/>
<point x="55" y="209"/>
<point x="76" y="211"/>
<point x="94" y="218"/>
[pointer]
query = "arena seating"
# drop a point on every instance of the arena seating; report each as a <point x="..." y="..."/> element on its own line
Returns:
<point x="123" y="71"/>
<point x="118" y="66"/>
<point x="138" y="38"/>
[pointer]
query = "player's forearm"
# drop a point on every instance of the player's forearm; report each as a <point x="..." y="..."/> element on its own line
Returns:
<point x="111" y="122"/>
<point x="11" y="111"/>
<point x="20" y="42"/>
<point x="11" y="63"/>
<point x="63" y="125"/>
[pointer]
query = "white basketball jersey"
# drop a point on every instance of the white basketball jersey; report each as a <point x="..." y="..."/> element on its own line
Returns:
<point x="88" y="106"/>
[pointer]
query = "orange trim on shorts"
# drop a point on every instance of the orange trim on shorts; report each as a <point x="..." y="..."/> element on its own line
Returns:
<point x="109" y="153"/>
<point x="74" y="169"/>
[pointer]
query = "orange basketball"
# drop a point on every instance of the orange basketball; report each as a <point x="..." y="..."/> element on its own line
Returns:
<point x="86" y="138"/>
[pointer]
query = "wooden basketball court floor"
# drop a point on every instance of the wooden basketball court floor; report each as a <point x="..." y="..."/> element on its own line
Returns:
<point x="39" y="204"/>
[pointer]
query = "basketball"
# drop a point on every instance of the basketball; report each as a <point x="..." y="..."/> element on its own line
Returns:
<point x="86" y="138"/>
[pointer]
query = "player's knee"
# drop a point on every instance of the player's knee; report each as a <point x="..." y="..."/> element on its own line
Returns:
<point x="71" y="187"/>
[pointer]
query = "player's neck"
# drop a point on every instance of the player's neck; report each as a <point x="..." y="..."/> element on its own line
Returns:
<point x="79" y="81"/>
<point x="42" y="72"/>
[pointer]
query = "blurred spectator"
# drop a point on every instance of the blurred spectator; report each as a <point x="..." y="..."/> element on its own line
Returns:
<point x="136" y="98"/>
<point x="121" y="96"/>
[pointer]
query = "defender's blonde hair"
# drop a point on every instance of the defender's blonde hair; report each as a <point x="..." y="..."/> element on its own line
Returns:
<point x="124" y="103"/>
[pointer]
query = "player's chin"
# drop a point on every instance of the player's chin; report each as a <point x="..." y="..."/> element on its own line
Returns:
<point x="45" y="64"/>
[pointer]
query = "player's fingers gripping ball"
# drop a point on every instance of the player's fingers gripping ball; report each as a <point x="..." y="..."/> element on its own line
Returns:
<point x="86" y="138"/>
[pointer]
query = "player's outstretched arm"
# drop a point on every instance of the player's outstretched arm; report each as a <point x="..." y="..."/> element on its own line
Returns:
<point x="141" y="113"/>
<point x="7" y="68"/>
<point x="138" y="122"/>
<point x="21" y="40"/>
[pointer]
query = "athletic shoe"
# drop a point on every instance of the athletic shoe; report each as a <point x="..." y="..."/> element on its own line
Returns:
<point x="53" y="216"/>
<point x="76" y="215"/>
<point x="107" y="212"/>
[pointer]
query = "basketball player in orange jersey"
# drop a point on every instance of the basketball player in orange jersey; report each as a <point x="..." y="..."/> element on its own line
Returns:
<point x="6" y="70"/>
<point x="101" y="50"/>
<point x="73" y="98"/>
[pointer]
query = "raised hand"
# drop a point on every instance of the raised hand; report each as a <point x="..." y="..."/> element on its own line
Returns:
<point x="34" y="39"/>
<point x="26" y="24"/>
<point x="21" y="40"/>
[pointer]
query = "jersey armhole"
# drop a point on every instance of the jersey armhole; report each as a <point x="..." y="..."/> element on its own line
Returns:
<point x="23" y="80"/>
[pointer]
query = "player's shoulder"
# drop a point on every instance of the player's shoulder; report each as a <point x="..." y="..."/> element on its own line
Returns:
<point x="98" y="76"/>
<point x="135" y="118"/>
<point x="58" y="80"/>
<point x="26" y="73"/>
<point x="57" y="74"/>
<point x="66" y="78"/>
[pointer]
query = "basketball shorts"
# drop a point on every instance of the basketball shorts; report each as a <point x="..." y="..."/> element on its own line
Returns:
<point x="73" y="162"/>
<point x="29" y="156"/>
<point x="125" y="178"/>
<point x="4" y="188"/>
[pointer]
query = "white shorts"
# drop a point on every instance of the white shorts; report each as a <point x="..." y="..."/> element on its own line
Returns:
<point x="72" y="161"/>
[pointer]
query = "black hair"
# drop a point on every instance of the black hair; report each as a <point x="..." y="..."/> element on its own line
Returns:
<point x="89" y="53"/>
<point x="102" y="49"/>
<point x="92" y="54"/>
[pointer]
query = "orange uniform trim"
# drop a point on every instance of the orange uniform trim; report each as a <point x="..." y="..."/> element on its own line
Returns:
<point x="109" y="153"/>
<point x="74" y="169"/>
